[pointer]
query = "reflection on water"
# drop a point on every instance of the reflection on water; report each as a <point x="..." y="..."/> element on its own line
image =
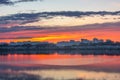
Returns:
<point x="56" y="59"/>
<point x="66" y="74"/>
<point x="59" y="67"/>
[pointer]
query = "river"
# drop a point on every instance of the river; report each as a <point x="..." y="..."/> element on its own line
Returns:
<point x="59" y="67"/>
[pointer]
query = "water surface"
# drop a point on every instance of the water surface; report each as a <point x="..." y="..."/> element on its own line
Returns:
<point x="59" y="67"/>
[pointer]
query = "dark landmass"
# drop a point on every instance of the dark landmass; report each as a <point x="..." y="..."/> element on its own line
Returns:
<point x="84" y="46"/>
<point x="72" y="52"/>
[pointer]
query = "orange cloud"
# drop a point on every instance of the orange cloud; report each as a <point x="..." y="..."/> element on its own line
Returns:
<point x="74" y="35"/>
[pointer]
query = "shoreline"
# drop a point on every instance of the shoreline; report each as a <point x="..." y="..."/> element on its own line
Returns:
<point x="82" y="52"/>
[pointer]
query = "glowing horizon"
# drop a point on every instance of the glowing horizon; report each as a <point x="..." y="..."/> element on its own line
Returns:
<point x="53" y="36"/>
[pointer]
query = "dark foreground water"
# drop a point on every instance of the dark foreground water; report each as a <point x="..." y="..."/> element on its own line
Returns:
<point x="59" y="67"/>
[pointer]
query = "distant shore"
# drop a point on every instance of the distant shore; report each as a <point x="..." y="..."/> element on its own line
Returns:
<point x="82" y="52"/>
<point x="84" y="46"/>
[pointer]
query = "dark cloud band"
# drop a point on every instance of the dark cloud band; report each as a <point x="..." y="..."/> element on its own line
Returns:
<point x="6" y="2"/>
<point x="33" y="17"/>
<point x="57" y="29"/>
<point x="10" y="2"/>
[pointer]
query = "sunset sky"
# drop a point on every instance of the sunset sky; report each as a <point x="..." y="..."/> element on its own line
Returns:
<point x="59" y="20"/>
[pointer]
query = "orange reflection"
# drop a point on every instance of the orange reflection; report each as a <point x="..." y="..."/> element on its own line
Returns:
<point x="57" y="59"/>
